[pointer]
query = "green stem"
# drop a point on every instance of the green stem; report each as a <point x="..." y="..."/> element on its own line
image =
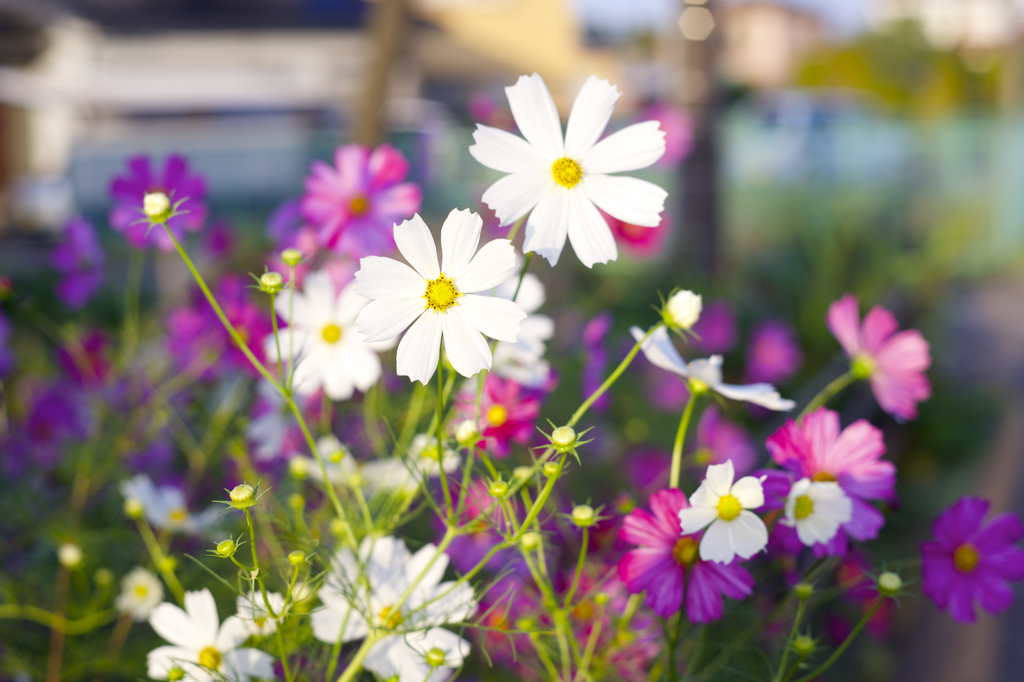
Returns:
<point x="794" y="668"/>
<point x="817" y="672"/>
<point x="836" y="385"/>
<point x="789" y="642"/>
<point x="256" y="567"/>
<point x="159" y="559"/>
<point x="611" y="378"/>
<point x="440" y="438"/>
<point x="356" y="664"/>
<point x="588" y="652"/>
<point x="291" y="326"/>
<point x="579" y="569"/>
<point x="284" y="656"/>
<point x="277" y="340"/>
<point x="677" y="448"/>
<point x="56" y="622"/>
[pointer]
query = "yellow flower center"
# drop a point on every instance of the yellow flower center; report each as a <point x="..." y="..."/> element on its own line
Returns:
<point x="965" y="558"/>
<point x="359" y="205"/>
<point x="331" y="333"/>
<point x="824" y="477"/>
<point x="390" y="618"/>
<point x="497" y="415"/>
<point x="685" y="551"/>
<point x="567" y="172"/>
<point x="141" y="590"/>
<point x="260" y="622"/>
<point x="441" y="294"/>
<point x="728" y="507"/>
<point x="210" y="658"/>
<point x="803" y="507"/>
<point x="178" y="515"/>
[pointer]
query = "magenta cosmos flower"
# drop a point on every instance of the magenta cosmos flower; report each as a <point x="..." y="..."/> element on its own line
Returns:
<point x="971" y="561"/>
<point x="773" y="355"/>
<point x="507" y="413"/>
<point x="354" y="204"/>
<point x="719" y="441"/>
<point x="666" y="558"/>
<point x="79" y="258"/>
<point x="176" y="182"/>
<point x="716" y="329"/>
<point x="816" y="449"/>
<point x="639" y="241"/>
<point x="893" y="361"/>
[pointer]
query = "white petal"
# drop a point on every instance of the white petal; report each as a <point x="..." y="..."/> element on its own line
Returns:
<point x="415" y="242"/>
<point x="490" y="267"/>
<point x="831" y="501"/>
<point x="749" y="534"/>
<point x="749" y="492"/>
<point x="460" y="235"/>
<point x="455" y="648"/>
<point x="336" y="613"/>
<point x="531" y="293"/>
<point x="704" y="497"/>
<point x="362" y="366"/>
<point x="536" y="115"/>
<point x="463" y="344"/>
<point x="496" y="317"/>
<point x="548" y="225"/>
<point x="233" y="633"/>
<point x="449" y="603"/>
<point x="203" y="611"/>
<point x="349" y="303"/>
<point x="385" y="318"/>
<point x="719" y="478"/>
<point x="513" y="196"/>
<point x="175" y="626"/>
<point x="692" y="519"/>
<point x="505" y="152"/>
<point x="337" y="383"/>
<point x="161" y="660"/>
<point x="631" y="200"/>
<point x="716" y="543"/>
<point x="589" y="117"/>
<point x="632" y="148"/>
<point x="419" y="348"/>
<point x="764" y="395"/>
<point x="658" y="349"/>
<point x="380" y="659"/>
<point x="816" y="528"/>
<point x="246" y="663"/>
<point x="380" y="277"/>
<point x="589" y="234"/>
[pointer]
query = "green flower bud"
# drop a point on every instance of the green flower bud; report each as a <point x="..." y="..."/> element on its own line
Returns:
<point x="337" y="526"/>
<point x="103" y="577"/>
<point x="550" y="469"/>
<point x="133" y="508"/>
<point x="69" y="555"/>
<point x="522" y="473"/>
<point x="529" y="541"/>
<point x="291" y="257"/>
<point x="803" y="646"/>
<point x="226" y="548"/>
<point x="435" y="657"/>
<point x="243" y="496"/>
<point x="296" y="558"/>
<point x="563" y="438"/>
<point x="583" y="516"/>
<point x="682" y="310"/>
<point x="803" y="590"/>
<point x="271" y="282"/>
<point x="525" y="624"/>
<point x="863" y="366"/>
<point x="601" y="598"/>
<point x="175" y="674"/>
<point x="498" y="488"/>
<point x="889" y="584"/>
<point x="297" y="502"/>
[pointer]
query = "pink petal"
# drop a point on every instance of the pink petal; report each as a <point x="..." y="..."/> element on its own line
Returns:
<point x="865" y="521"/>
<point x="1000" y="531"/>
<point x="351" y="161"/>
<point x="666" y="505"/>
<point x="879" y="324"/>
<point x="657" y="572"/>
<point x="387" y="166"/>
<point x="1009" y="563"/>
<point x="854" y="459"/>
<point x="844" y="322"/>
<point x="703" y="598"/>
<point x="960" y="523"/>
<point x="961" y="599"/>
<point x="788" y="448"/>
<point x="397" y="203"/>
<point x="732" y="579"/>
<point x="643" y="528"/>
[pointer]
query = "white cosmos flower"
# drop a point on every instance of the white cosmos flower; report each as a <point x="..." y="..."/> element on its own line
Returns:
<point x="201" y="646"/>
<point x="439" y="301"/>
<point x="523" y="361"/>
<point x="707" y="373"/>
<point x="387" y="474"/>
<point x="564" y="182"/>
<point x="332" y="353"/>
<point x="165" y="507"/>
<point x="253" y="612"/>
<point x="424" y="459"/>
<point x="721" y="506"/>
<point x="141" y="591"/>
<point x="817" y="509"/>
<point x="353" y="593"/>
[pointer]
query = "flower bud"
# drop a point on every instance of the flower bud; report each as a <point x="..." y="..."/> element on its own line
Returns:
<point x="103" y="577"/>
<point x="297" y="502"/>
<point x="296" y="558"/>
<point x="803" y="646"/>
<point x="298" y="467"/>
<point x="583" y="516"/>
<point x="498" y="488"/>
<point x="133" y="508"/>
<point x="226" y="548"/>
<point x="271" y="282"/>
<point x="167" y="564"/>
<point x="682" y="309"/>
<point x="803" y="590"/>
<point x="525" y="624"/>
<point x="889" y="584"/>
<point x="69" y="555"/>
<point x="529" y="541"/>
<point x="156" y="206"/>
<point x="563" y="438"/>
<point x="522" y="473"/>
<point x="243" y="496"/>
<point x="601" y="598"/>
<point x="435" y="657"/>
<point x="550" y="469"/>
<point x="467" y="433"/>
<point x="291" y="257"/>
<point x="175" y="674"/>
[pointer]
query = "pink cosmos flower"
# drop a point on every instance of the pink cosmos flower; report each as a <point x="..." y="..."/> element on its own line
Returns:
<point x="816" y="449"/>
<point x="678" y="126"/>
<point x="639" y="241"/>
<point x="79" y="258"/>
<point x="773" y="355"/>
<point x="894" y="362"/>
<point x="176" y="182"/>
<point x="972" y="561"/>
<point x="354" y="204"/>
<point x="666" y="558"/>
<point x="719" y="440"/>
<point x="507" y="413"/>
<point x="716" y="329"/>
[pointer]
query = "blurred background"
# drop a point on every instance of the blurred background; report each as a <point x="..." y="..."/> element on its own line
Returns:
<point x="815" y="147"/>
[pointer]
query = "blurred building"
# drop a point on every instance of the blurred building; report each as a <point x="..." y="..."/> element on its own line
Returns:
<point x="957" y="24"/>
<point x="762" y="42"/>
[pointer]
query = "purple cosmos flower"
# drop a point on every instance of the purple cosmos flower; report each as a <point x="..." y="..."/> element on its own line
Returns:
<point x="220" y="240"/>
<point x="816" y="449"/>
<point x="79" y="258"/>
<point x="596" y="358"/>
<point x="176" y="182"/>
<point x="7" y="358"/>
<point x="894" y="362"/>
<point x="719" y="440"/>
<point x="716" y="329"/>
<point x="666" y="558"/>
<point x="773" y="355"/>
<point x="58" y="415"/>
<point x="354" y="204"/>
<point x="972" y="561"/>
<point x="200" y="343"/>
